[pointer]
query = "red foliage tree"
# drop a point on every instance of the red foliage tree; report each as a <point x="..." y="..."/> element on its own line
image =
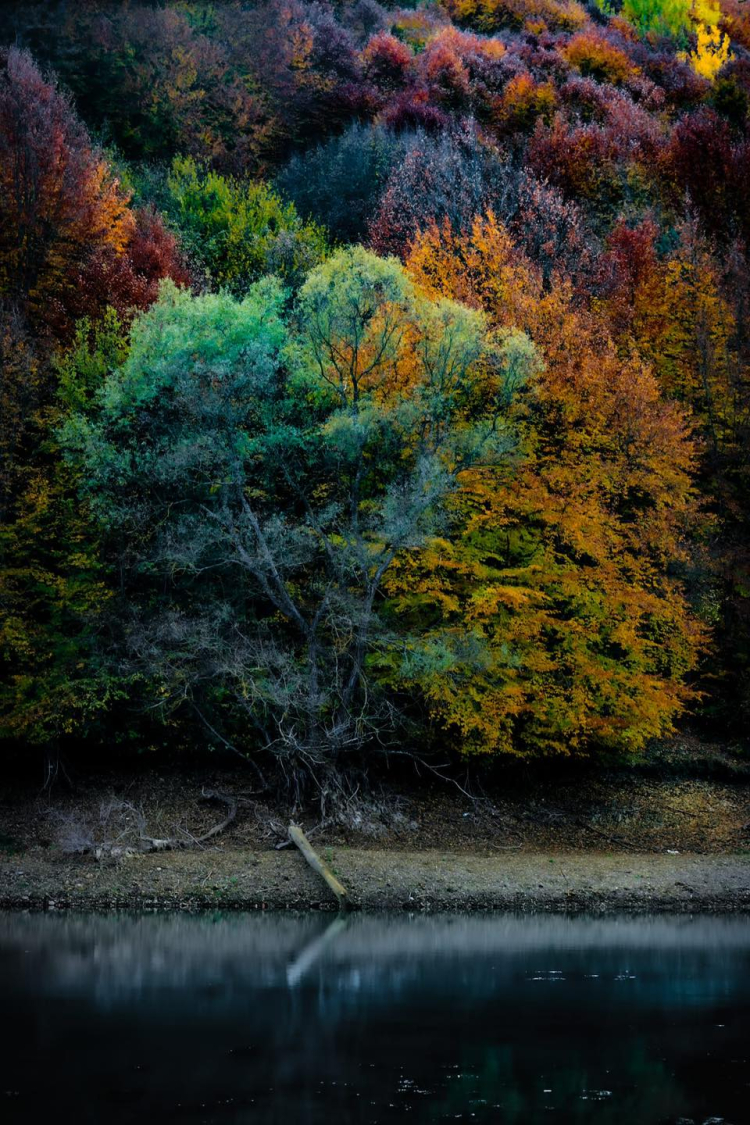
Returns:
<point x="625" y="269"/>
<point x="129" y="282"/>
<point x="701" y="161"/>
<point x="59" y="204"/>
<point x="387" y="62"/>
<point x="70" y="244"/>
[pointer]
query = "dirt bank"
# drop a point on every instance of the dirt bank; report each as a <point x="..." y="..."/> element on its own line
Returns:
<point x="671" y="835"/>
<point x="383" y="880"/>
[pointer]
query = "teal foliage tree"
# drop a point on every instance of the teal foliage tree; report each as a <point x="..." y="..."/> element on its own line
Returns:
<point x="258" y="474"/>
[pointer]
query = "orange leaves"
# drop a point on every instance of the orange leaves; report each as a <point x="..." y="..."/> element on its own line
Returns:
<point x="443" y="67"/>
<point x="483" y="270"/>
<point x="523" y="102"/>
<point x="594" y="57"/>
<point x="387" y="61"/>
<point x="108" y="218"/>
<point x="577" y="633"/>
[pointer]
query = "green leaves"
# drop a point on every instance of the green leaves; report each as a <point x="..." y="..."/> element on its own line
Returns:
<point x="353" y="312"/>
<point x="235" y="230"/>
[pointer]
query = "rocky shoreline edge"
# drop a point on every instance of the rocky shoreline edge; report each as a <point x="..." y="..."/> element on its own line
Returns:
<point x="431" y="881"/>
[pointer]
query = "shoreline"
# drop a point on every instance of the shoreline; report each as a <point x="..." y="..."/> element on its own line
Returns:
<point x="385" y="881"/>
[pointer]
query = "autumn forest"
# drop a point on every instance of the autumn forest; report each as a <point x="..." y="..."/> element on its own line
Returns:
<point x="375" y="380"/>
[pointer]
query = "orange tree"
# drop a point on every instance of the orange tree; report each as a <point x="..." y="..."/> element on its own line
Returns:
<point x="551" y="617"/>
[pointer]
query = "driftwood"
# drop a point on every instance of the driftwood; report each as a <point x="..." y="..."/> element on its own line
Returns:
<point x="297" y="836"/>
<point x="152" y="844"/>
<point x="123" y="827"/>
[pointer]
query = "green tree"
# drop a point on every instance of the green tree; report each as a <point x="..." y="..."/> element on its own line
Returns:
<point x="260" y="474"/>
<point x="236" y="231"/>
<point x="55" y="586"/>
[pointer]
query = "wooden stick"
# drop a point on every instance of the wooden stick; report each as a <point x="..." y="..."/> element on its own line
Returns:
<point x="297" y="836"/>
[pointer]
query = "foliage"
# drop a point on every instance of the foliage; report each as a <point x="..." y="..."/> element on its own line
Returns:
<point x="58" y="202"/>
<point x="670" y="17"/>
<point x="338" y="183"/>
<point x="236" y="231"/>
<point x="523" y="103"/>
<point x="554" y="620"/>
<point x="54" y="585"/>
<point x="454" y="176"/>
<point x="260" y="478"/>
<point x="711" y="52"/>
<point x="69" y="242"/>
<point x="575" y="176"/>
<point x="594" y="57"/>
<point x="490" y="15"/>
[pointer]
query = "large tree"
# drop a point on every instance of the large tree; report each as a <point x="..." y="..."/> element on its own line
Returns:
<point x="259" y="476"/>
<point x="59" y="203"/>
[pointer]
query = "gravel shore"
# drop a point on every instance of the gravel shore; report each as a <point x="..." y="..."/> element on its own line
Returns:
<point x="434" y="880"/>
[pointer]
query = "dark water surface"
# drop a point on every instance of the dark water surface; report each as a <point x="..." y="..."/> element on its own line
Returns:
<point x="296" y="1020"/>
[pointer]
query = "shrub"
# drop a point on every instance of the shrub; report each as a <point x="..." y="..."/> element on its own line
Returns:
<point x="594" y="57"/>
<point x="236" y="231"/>
<point x="523" y="103"/>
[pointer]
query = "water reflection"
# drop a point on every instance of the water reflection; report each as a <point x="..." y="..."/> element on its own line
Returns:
<point x="298" y="1020"/>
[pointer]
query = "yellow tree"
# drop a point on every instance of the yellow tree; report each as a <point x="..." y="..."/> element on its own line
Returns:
<point x="711" y="51"/>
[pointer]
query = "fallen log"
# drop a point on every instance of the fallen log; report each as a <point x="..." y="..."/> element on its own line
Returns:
<point x="297" y="836"/>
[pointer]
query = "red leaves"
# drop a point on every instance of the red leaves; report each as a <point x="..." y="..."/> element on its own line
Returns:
<point x="129" y="282"/>
<point x="711" y="166"/>
<point x="387" y="62"/>
<point x="70" y="243"/>
<point x="58" y="202"/>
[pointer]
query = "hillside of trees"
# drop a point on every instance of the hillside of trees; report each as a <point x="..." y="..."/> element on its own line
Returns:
<point x="375" y="380"/>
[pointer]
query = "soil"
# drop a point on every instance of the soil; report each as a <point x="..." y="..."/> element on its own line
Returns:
<point x="673" y="834"/>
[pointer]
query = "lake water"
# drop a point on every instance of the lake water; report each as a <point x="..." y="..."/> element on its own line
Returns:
<point x="300" y="1020"/>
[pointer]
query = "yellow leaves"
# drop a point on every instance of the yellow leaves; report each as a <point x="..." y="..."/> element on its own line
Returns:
<point x="683" y="326"/>
<point x="491" y="599"/>
<point x="711" y="53"/>
<point x="705" y="12"/>
<point x="670" y="17"/>
<point x="490" y="15"/>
